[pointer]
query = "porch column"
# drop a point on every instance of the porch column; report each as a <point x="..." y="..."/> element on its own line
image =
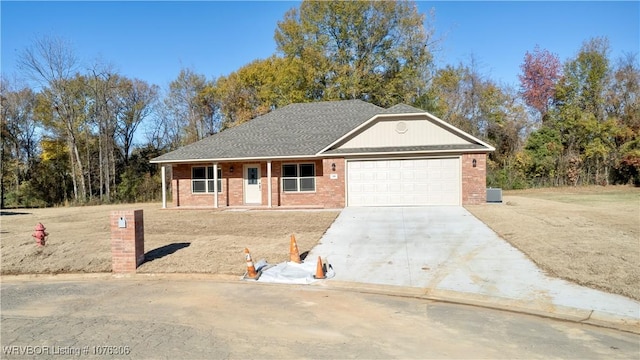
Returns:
<point x="269" y="183"/>
<point x="215" y="185"/>
<point x="163" y="173"/>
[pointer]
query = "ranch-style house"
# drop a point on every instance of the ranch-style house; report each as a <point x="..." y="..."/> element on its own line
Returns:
<point x="330" y="155"/>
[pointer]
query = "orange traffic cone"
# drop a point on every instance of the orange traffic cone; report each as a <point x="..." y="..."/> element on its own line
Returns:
<point x="251" y="270"/>
<point x="319" y="270"/>
<point x="294" y="255"/>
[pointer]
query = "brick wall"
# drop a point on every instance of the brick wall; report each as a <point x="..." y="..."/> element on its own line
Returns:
<point x="474" y="179"/>
<point x="127" y="243"/>
<point x="330" y="193"/>
<point x="181" y="186"/>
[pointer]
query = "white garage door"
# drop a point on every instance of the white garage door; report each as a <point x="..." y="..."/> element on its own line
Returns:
<point x="404" y="182"/>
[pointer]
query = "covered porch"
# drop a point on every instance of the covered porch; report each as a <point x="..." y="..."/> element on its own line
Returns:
<point x="256" y="184"/>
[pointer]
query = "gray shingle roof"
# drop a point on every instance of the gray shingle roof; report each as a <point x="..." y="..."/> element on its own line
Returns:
<point x="294" y="130"/>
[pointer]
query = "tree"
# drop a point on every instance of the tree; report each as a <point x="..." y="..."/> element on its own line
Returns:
<point x="540" y="74"/>
<point x="376" y="51"/>
<point x="104" y="110"/>
<point x="18" y="136"/>
<point x="623" y="106"/>
<point x="136" y="103"/>
<point x="259" y="87"/>
<point x="544" y="149"/>
<point x="580" y="112"/>
<point x="187" y="110"/>
<point x="52" y="63"/>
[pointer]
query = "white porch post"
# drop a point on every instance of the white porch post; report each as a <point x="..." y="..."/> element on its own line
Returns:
<point x="163" y="173"/>
<point x="269" y="183"/>
<point x="215" y="185"/>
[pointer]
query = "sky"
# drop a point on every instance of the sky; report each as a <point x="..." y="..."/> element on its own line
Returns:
<point x="153" y="40"/>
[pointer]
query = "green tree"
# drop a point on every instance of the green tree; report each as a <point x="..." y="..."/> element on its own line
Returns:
<point x="376" y="51"/>
<point x="580" y="113"/>
<point x="18" y="137"/>
<point x="259" y="87"/>
<point x="623" y="106"/>
<point x="543" y="150"/>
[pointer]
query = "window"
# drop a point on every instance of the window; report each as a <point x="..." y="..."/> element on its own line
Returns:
<point x="202" y="179"/>
<point x="298" y="177"/>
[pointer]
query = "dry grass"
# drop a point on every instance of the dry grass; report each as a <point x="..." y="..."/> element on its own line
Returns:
<point x="189" y="241"/>
<point x="588" y="235"/>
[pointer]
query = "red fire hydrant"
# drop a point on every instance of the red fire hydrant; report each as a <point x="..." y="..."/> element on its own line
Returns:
<point x="40" y="234"/>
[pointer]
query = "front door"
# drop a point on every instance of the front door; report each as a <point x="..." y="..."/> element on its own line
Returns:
<point x="252" y="187"/>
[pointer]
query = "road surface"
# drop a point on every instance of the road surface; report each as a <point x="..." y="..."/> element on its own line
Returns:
<point x="183" y="317"/>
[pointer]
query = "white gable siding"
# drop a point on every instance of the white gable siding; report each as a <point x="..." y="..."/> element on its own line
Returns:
<point x="384" y="133"/>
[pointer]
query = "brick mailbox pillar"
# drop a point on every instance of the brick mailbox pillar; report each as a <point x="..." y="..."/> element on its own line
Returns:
<point x="127" y="240"/>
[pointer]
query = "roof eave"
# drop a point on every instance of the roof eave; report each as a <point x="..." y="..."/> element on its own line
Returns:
<point x="410" y="152"/>
<point x="238" y="159"/>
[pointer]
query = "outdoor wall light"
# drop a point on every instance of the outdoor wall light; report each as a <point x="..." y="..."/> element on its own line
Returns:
<point x="231" y="168"/>
<point x="333" y="166"/>
<point x="474" y="163"/>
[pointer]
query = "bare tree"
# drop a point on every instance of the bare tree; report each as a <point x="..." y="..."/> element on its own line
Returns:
<point x="137" y="99"/>
<point x="52" y="63"/>
<point x="104" y="111"/>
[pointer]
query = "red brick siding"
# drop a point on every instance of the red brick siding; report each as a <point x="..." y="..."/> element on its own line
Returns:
<point x="181" y="187"/>
<point x="333" y="190"/>
<point x="330" y="193"/>
<point x="474" y="180"/>
<point x="127" y="244"/>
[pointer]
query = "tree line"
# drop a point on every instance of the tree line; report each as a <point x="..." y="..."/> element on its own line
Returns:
<point x="85" y="133"/>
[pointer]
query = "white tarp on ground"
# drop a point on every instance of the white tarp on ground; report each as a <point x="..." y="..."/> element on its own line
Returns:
<point x="289" y="272"/>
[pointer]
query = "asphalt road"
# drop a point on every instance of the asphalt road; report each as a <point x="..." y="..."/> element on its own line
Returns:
<point x="180" y="318"/>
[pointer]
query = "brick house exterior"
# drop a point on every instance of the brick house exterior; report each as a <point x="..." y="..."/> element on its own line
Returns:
<point x="356" y="154"/>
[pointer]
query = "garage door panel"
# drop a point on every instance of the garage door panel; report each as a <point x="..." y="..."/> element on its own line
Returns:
<point x="404" y="182"/>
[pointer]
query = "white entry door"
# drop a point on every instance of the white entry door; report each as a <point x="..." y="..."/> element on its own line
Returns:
<point x="404" y="182"/>
<point x="252" y="187"/>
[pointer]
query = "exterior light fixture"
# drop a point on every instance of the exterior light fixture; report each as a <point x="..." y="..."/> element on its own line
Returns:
<point x="333" y="166"/>
<point x="231" y="168"/>
<point x="474" y="163"/>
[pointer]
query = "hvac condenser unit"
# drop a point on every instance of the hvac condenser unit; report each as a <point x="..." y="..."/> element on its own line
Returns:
<point x="494" y="195"/>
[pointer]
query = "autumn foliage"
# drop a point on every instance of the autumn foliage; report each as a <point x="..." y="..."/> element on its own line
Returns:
<point x="540" y="73"/>
<point x="88" y="132"/>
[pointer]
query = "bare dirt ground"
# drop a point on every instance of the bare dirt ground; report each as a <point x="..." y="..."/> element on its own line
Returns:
<point x="186" y="241"/>
<point x="588" y="235"/>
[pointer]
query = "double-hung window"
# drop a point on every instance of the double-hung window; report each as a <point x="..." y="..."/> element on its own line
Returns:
<point x="299" y="177"/>
<point x="202" y="179"/>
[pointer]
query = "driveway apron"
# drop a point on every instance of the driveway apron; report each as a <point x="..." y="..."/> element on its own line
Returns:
<point x="447" y="248"/>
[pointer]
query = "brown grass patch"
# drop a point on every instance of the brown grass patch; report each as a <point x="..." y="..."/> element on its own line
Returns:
<point x="187" y="241"/>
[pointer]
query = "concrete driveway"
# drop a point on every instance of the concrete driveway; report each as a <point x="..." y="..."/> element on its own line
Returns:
<point x="447" y="249"/>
